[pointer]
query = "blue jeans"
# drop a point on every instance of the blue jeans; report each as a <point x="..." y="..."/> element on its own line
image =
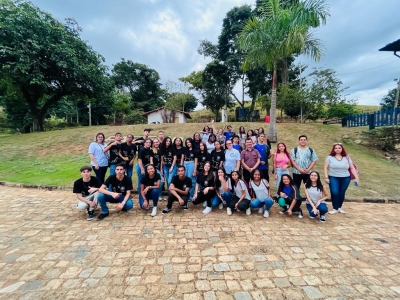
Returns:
<point x="168" y="175"/>
<point x="227" y="196"/>
<point x="112" y="169"/>
<point x="338" y="187"/>
<point x="161" y="184"/>
<point x="189" y="165"/>
<point x="280" y="172"/>
<point x="151" y="194"/>
<point x="215" y="201"/>
<point x="322" y="207"/>
<point x="103" y="199"/>
<point x="139" y="175"/>
<point x="256" y="203"/>
<point x="129" y="170"/>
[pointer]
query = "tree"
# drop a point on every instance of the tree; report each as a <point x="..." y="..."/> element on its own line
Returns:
<point x="388" y="100"/>
<point x="46" y="60"/>
<point x="181" y="101"/>
<point x="141" y="82"/>
<point x="277" y="33"/>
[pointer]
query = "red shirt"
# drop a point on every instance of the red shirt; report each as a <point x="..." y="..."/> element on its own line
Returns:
<point x="250" y="157"/>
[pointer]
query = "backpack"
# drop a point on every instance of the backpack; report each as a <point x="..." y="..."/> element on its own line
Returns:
<point x="311" y="152"/>
<point x="352" y="177"/>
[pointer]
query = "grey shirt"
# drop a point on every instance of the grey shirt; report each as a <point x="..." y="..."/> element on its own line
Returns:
<point x="338" y="168"/>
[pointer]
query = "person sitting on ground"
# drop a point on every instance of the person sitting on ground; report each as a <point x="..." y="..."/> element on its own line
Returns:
<point x="149" y="188"/>
<point x="316" y="194"/>
<point x="240" y="195"/>
<point x="86" y="190"/>
<point x="179" y="190"/>
<point x="289" y="196"/>
<point x="116" y="189"/>
<point x="205" y="188"/>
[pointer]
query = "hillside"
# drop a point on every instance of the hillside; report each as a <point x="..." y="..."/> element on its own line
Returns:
<point x="54" y="158"/>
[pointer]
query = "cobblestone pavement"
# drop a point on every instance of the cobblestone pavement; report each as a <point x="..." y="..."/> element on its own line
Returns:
<point x="48" y="250"/>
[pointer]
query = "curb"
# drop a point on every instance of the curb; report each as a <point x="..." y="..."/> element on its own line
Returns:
<point x="69" y="188"/>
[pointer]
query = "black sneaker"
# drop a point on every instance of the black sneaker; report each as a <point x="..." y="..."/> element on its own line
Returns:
<point x="124" y="209"/>
<point x="284" y="210"/>
<point x="185" y="207"/>
<point x="102" y="216"/>
<point x="90" y="215"/>
<point x="322" y="219"/>
<point x="166" y="210"/>
<point x="300" y="213"/>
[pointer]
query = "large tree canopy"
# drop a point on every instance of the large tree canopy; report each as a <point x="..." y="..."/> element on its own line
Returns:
<point x="46" y="60"/>
<point x="389" y="99"/>
<point x="141" y="82"/>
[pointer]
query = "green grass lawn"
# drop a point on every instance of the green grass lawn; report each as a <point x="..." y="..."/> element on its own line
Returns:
<point x="54" y="157"/>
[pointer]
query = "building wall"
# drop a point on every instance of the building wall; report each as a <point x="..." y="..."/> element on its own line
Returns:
<point x="156" y="117"/>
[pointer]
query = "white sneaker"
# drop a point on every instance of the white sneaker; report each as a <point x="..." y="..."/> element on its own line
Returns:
<point x="220" y="206"/>
<point x="248" y="211"/>
<point x="333" y="211"/>
<point x="260" y="210"/>
<point x="266" y="214"/>
<point x="154" y="212"/>
<point x="341" y="211"/>
<point x="205" y="204"/>
<point x="207" y="210"/>
<point x="228" y="211"/>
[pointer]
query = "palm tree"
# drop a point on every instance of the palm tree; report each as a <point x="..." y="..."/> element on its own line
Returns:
<point x="280" y="31"/>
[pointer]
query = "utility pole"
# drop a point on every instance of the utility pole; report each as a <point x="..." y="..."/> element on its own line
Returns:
<point x="90" y="114"/>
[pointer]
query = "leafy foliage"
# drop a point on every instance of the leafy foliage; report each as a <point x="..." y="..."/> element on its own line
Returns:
<point x="388" y="100"/>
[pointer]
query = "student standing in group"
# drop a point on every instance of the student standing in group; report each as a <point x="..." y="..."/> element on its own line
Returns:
<point x="241" y="198"/>
<point x="196" y="141"/>
<point x="190" y="163"/>
<point x="179" y="150"/>
<point x="150" y="189"/>
<point x="160" y="136"/>
<point x="242" y="136"/>
<point x="281" y="162"/>
<point x="145" y="157"/>
<point x="220" y="137"/>
<point x="303" y="159"/>
<point x="179" y="190"/>
<point x="139" y="142"/>
<point x="116" y="189"/>
<point x="289" y="196"/>
<point x="205" y="134"/>
<point x="168" y="160"/>
<point x="217" y="157"/>
<point x="228" y="133"/>
<point x="316" y="195"/>
<point x="127" y="153"/>
<point x="98" y="158"/>
<point x="250" y="159"/>
<point x="261" y="130"/>
<point x="210" y="143"/>
<point x="86" y="190"/>
<point x="261" y="193"/>
<point x="252" y="136"/>
<point x="338" y="177"/>
<point x="236" y="144"/>
<point x="205" y="188"/>
<point x="232" y="158"/>
<point x="202" y="157"/>
<point x="265" y="154"/>
<point x="157" y="164"/>
<point x="113" y="149"/>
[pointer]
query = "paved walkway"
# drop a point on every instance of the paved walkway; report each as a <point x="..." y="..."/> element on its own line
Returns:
<point x="49" y="251"/>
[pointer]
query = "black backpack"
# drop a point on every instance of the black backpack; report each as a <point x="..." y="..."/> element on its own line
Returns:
<point x="311" y="152"/>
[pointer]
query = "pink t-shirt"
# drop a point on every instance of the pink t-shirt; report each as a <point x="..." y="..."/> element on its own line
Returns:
<point x="281" y="160"/>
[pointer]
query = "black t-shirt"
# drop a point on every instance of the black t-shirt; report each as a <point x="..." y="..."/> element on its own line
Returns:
<point x="128" y="151"/>
<point x="202" y="157"/>
<point x="216" y="158"/>
<point x="157" y="159"/>
<point x="169" y="156"/>
<point x="182" y="184"/>
<point x="196" y="145"/>
<point x="204" y="182"/>
<point x="139" y="142"/>
<point x="147" y="181"/>
<point x="81" y="187"/>
<point x="178" y="153"/>
<point x="189" y="155"/>
<point x="114" y="157"/>
<point x="119" y="186"/>
<point x="145" y="154"/>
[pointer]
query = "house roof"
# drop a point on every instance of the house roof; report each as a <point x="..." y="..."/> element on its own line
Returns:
<point x="394" y="46"/>
<point x="187" y="115"/>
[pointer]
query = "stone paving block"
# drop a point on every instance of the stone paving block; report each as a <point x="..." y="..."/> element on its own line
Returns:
<point x="243" y="296"/>
<point x="313" y="293"/>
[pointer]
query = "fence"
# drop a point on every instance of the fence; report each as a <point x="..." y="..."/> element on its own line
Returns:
<point x="380" y="118"/>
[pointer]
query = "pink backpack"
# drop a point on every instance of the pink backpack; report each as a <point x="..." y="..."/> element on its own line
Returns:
<point x="355" y="167"/>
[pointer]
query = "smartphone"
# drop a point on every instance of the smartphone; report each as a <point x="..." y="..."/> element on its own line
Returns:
<point x="355" y="183"/>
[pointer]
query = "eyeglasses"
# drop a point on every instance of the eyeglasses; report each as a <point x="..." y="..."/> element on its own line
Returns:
<point x="229" y="143"/>
<point x="337" y="144"/>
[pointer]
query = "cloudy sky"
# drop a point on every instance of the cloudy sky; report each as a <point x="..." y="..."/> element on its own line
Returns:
<point x="165" y="34"/>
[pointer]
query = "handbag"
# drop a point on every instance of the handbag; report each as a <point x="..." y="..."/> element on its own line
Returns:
<point x="352" y="176"/>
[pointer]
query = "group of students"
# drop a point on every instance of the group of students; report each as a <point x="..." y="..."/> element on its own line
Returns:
<point x="208" y="169"/>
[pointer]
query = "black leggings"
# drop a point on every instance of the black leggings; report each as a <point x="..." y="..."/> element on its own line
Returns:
<point x="297" y="205"/>
<point x="101" y="173"/>
<point x="243" y="205"/>
<point x="201" y="197"/>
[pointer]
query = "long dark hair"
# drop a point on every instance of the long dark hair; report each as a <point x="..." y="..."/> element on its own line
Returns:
<point x="281" y="184"/>
<point x="343" y="153"/>
<point x="205" y="147"/>
<point x="217" y="181"/>
<point x="210" y="175"/>
<point x="320" y="187"/>
<point x="182" y="145"/>
<point x="163" y="146"/>
<point x="191" y="142"/>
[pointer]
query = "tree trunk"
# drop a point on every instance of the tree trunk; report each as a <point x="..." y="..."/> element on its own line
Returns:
<point x="272" y="132"/>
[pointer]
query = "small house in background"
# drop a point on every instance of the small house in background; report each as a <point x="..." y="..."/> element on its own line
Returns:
<point x="166" y="115"/>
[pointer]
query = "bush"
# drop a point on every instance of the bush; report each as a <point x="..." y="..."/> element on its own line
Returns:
<point x="135" y="117"/>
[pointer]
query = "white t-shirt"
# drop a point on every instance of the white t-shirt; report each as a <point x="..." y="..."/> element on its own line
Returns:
<point x="231" y="158"/>
<point x="338" y="168"/>
<point x="260" y="190"/>
<point x="239" y="187"/>
<point x="314" y="195"/>
<point x="210" y="147"/>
